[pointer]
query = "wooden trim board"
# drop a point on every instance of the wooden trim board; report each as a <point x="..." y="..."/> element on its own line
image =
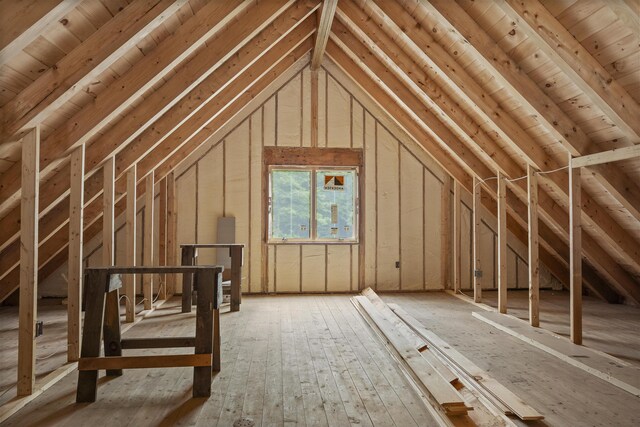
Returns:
<point x="512" y="402"/>
<point x="621" y="375"/>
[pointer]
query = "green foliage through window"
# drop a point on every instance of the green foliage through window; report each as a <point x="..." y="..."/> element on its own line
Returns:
<point x="335" y="194"/>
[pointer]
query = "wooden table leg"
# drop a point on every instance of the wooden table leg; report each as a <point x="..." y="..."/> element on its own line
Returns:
<point x="204" y="331"/>
<point x="111" y="330"/>
<point x="236" y="277"/>
<point x="92" y="334"/>
<point x="216" y="340"/>
<point x="187" y="279"/>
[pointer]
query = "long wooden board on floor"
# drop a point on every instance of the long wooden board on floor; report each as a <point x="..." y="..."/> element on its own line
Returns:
<point x="419" y="343"/>
<point x="442" y="392"/>
<point x="512" y="402"/>
<point x="625" y="377"/>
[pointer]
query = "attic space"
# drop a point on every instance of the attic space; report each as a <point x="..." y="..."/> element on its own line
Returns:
<point x="320" y="212"/>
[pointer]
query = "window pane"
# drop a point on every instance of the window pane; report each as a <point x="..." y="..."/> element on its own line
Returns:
<point x="291" y="204"/>
<point x="335" y="202"/>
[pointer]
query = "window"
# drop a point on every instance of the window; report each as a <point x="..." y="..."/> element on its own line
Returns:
<point x="313" y="204"/>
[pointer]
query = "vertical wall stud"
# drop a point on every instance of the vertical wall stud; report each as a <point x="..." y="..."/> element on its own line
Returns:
<point x="171" y="231"/>
<point x="477" y="271"/>
<point x="534" y="263"/>
<point x="147" y="279"/>
<point x="162" y="236"/>
<point x="502" y="243"/>
<point x="130" y="219"/>
<point x="108" y="199"/>
<point x="445" y="233"/>
<point x="28" y="309"/>
<point x="575" y="253"/>
<point x="74" y="279"/>
<point x="457" y="255"/>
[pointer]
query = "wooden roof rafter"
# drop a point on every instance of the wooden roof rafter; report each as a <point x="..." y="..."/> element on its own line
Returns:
<point x="553" y="214"/>
<point x="460" y="169"/>
<point x="324" y="29"/>
<point x="77" y="69"/>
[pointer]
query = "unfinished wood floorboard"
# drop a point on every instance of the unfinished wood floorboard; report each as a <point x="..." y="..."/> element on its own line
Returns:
<point x="369" y="381"/>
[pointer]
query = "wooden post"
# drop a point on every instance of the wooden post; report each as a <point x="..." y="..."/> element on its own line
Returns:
<point x="28" y="261"/>
<point x="445" y="233"/>
<point x="147" y="279"/>
<point x="171" y="232"/>
<point x="457" y="260"/>
<point x="209" y="282"/>
<point x="162" y="237"/>
<point x="534" y="262"/>
<point x="108" y="198"/>
<point x="502" y="243"/>
<point x="477" y="271"/>
<point x="575" y="253"/>
<point x="188" y="258"/>
<point x="111" y="330"/>
<point x="314" y="108"/>
<point x="236" y="276"/>
<point x="130" y="279"/>
<point x="74" y="279"/>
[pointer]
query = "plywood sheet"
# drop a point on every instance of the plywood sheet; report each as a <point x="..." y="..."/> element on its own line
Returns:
<point x="338" y="268"/>
<point x="411" y="222"/>
<point x="289" y="113"/>
<point x="287" y="274"/>
<point x="254" y="252"/>
<point x="338" y="115"/>
<point x="432" y="232"/>
<point x="313" y="268"/>
<point x="236" y="190"/>
<point x="269" y="118"/>
<point x="210" y="200"/>
<point x="186" y="215"/>
<point x="370" y="211"/>
<point x="388" y="204"/>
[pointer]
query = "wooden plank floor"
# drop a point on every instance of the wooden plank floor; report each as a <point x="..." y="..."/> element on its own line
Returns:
<point x="565" y="395"/>
<point x="287" y="360"/>
<point x="599" y="320"/>
<point x="311" y="360"/>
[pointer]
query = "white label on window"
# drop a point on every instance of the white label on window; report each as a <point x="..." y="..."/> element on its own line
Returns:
<point x="334" y="182"/>
<point x="334" y="214"/>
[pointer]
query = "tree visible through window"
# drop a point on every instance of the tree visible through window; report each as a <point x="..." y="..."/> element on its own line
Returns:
<point x="313" y="204"/>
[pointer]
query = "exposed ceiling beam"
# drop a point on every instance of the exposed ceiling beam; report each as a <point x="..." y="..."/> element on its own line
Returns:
<point x="614" y="155"/>
<point x="395" y="109"/>
<point x="324" y="29"/>
<point x="76" y="70"/>
<point x="555" y="41"/>
<point x="110" y="103"/>
<point x="22" y="23"/>
<point x="250" y="88"/>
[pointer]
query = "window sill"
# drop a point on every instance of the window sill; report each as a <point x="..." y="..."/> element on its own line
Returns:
<point x="314" y="242"/>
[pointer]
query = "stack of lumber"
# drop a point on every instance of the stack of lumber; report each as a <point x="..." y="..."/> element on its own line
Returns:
<point x="455" y="390"/>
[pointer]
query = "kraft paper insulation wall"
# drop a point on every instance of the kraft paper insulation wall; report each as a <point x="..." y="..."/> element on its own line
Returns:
<point x="403" y="189"/>
<point x="403" y="195"/>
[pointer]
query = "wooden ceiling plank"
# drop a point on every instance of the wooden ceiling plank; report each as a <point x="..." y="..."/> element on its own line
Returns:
<point x="122" y="92"/>
<point x="22" y="30"/>
<point x="594" y="215"/>
<point x="74" y="71"/>
<point x="324" y="29"/>
<point x="555" y="41"/>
